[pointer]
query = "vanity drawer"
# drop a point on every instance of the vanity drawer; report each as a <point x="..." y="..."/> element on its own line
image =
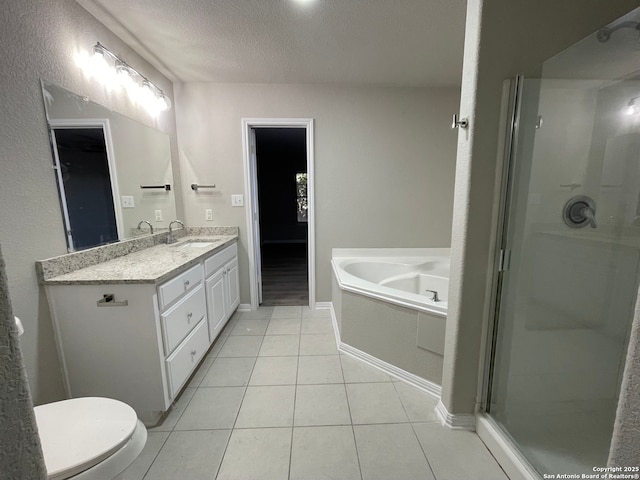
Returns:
<point x="169" y="291"/>
<point x="180" y="319"/>
<point x="186" y="357"/>
<point x="215" y="262"/>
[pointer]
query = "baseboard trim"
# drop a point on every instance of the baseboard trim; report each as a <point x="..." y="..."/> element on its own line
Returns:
<point x="426" y="386"/>
<point x="464" y="421"/>
<point x="324" y="305"/>
<point x="244" y="307"/>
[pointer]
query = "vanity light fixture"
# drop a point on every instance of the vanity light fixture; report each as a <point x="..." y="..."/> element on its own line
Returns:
<point x="107" y="67"/>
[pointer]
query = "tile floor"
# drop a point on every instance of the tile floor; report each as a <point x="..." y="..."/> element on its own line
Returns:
<point x="274" y="399"/>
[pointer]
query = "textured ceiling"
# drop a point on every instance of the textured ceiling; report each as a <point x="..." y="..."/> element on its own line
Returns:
<point x="376" y="42"/>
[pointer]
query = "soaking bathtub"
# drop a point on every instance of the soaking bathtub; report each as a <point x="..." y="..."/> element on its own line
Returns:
<point x="405" y="277"/>
<point x="390" y="310"/>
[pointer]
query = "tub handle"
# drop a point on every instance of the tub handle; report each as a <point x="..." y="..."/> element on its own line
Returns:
<point x="434" y="298"/>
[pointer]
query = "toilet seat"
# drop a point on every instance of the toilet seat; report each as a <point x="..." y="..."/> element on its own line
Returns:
<point x="78" y="434"/>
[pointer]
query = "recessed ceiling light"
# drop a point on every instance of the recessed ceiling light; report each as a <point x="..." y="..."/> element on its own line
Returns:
<point x="304" y="2"/>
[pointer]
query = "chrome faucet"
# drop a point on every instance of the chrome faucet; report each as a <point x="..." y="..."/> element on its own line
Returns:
<point x="434" y="298"/>
<point x="148" y="223"/>
<point x="590" y="214"/>
<point x="171" y="238"/>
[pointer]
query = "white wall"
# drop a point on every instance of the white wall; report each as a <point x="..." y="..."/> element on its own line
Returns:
<point x="38" y="40"/>
<point x="384" y="161"/>
<point x="503" y="38"/>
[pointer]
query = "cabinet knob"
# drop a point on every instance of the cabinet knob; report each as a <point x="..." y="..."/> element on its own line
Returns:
<point x="193" y="352"/>
<point x="189" y="315"/>
<point x="186" y="283"/>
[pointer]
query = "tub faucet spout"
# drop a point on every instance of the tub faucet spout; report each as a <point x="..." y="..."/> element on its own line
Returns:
<point x="434" y="298"/>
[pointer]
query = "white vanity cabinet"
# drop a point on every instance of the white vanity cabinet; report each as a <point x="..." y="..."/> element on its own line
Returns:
<point x="142" y="345"/>
<point x="183" y="320"/>
<point x="223" y="288"/>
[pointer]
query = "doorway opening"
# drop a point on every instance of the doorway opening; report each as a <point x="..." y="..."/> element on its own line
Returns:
<point x="279" y="179"/>
<point x="86" y="184"/>
<point x="281" y="162"/>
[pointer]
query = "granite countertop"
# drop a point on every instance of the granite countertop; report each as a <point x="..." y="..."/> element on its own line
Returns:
<point x="151" y="265"/>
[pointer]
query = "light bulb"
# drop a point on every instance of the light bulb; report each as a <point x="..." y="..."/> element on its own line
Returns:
<point x="99" y="64"/>
<point x="164" y="103"/>
<point x="145" y="91"/>
<point x="631" y="108"/>
<point x="124" y="76"/>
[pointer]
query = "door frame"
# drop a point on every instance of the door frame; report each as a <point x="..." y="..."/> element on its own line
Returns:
<point x="501" y="253"/>
<point x="250" y="182"/>
<point x="86" y="123"/>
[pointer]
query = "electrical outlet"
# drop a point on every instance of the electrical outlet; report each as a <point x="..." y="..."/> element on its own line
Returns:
<point x="208" y="214"/>
<point x="158" y="215"/>
<point x="237" y="200"/>
<point x="127" y="201"/>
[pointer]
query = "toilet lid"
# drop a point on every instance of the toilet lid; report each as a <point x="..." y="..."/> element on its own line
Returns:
<point x="79" y="433"/>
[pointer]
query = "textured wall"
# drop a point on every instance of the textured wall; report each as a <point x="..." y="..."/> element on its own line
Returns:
<point x="384" y="162"/>
<point x="503" y="38"/>
<point x="20" y="451"/>
<point x="38" y="40"/>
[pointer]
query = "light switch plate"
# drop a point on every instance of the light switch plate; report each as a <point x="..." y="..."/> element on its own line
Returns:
<point x="237" y="200"/>
<point x="158" y="215"/>
<point x="208" y="214"/>
<point x="127" y="201"/>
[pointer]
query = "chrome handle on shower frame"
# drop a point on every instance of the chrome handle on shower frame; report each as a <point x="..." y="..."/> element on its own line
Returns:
<point x="459" y="123"/>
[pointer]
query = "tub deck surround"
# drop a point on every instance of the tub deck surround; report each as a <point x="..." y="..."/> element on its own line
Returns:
<point x="141" y="260"/>
<point x="377" y="296"/>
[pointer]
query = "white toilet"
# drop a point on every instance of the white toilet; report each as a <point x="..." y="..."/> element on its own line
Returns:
<point x="88" y="438"/>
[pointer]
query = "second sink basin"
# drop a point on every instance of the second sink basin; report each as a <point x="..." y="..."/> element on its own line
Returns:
<point x="195" y="244"/>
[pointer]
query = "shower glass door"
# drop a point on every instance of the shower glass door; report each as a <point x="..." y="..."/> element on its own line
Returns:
<point x="572" y="237"/>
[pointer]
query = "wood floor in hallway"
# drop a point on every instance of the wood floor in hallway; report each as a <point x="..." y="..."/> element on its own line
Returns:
<point x="285" y="278"/>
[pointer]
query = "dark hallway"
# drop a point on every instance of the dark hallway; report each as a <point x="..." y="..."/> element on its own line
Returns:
<point x="281" y="168"/>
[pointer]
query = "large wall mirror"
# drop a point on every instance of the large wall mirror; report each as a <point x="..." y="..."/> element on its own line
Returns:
<point x="112" y="172"/>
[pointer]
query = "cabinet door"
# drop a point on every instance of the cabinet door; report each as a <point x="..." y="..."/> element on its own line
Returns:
<point x="233" y="285"/>
<point x="216" y="303"/>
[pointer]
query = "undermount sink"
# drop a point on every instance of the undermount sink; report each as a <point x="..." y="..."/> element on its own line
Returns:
<point x="195" y="244"/>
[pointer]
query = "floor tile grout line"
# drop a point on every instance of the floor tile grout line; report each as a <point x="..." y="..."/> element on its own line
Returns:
<point x="404" y="407"/>
<point x="295" y="398"/>
<point x="353" y="430"/>
<point x="215" y="357"/>
<point x="423" y="452"/>
<point x="244" y="394"/>
<point x="324" y="425"/>
<point x="146" y="472"/>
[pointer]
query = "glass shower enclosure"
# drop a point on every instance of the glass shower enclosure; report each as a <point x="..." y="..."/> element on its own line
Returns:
<point x="571" y="252"/>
